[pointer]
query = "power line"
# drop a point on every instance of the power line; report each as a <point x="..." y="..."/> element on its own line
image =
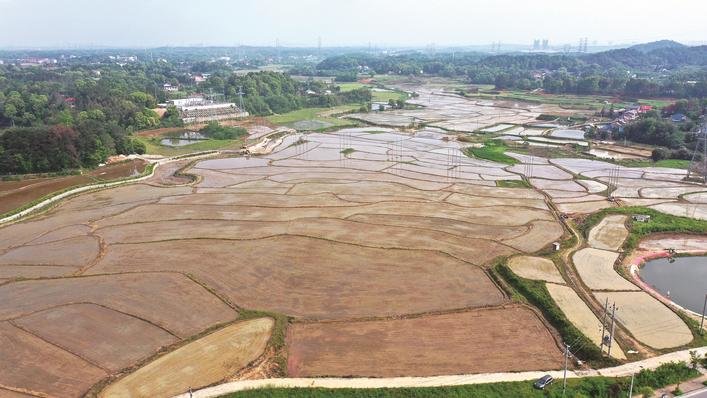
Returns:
<point x="613" y="326"/>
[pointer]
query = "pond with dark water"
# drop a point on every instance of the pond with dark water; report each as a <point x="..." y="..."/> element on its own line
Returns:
<point x="684" y="280"/>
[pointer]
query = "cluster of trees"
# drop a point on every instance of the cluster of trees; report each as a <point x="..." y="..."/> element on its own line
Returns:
<point x="64" y="118"/>
<point x="673" y="141"/>
<point x="60" y="147"/>
<point x="218" y="132"/>
<point x="266" y="92"/>
<point x="76" y="115"/>
<point x="651" y="70"/>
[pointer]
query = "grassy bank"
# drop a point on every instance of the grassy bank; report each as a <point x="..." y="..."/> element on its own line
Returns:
<point x="596" y="387"/>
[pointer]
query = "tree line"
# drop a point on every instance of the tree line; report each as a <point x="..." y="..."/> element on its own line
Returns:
<point x="668" y="69"/>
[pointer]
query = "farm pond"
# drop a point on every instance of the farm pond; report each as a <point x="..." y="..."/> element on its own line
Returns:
<point x="684" y="280"/>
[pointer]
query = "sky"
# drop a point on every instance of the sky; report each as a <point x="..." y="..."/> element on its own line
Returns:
<point x="152" y="23"/>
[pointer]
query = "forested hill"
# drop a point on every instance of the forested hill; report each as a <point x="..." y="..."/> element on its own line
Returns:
<point x="654" y="69"/>
<point x="644" y="57"/>
<point x="655" y="45"/>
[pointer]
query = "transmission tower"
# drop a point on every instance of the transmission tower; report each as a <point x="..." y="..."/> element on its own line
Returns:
<point x="698" y="167"/>
<point x="240" y="98"/>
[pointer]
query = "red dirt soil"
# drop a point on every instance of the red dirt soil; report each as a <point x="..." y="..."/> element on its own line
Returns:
<point x="487" y="340"/>
<point x="14" y="194"/>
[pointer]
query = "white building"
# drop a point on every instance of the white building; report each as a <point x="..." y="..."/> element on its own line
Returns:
<point x="198" y="109"/>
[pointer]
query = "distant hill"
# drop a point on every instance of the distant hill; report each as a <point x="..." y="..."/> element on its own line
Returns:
<point x="657" y="45"/>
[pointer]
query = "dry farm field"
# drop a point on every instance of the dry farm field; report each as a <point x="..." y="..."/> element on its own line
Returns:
<point x="398" y="226"/>
<point x="375" y="245"/>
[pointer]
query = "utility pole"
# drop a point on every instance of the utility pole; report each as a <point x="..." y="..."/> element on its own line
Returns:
<point x="603" y="326"/>
<point x="630" y="390"/>
<point x="564" y="378"/>
<point x="613" y="325"/>
<point x="702" y="322"/>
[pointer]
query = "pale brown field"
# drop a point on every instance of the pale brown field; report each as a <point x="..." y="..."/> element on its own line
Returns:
<point x="202" y="362"/>
<point x="425" y="346"/>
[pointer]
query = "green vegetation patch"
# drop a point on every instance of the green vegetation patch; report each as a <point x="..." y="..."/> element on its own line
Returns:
<point x="512" y="184"/>
<point x="492" y="150"/>
<point x="670" y="163"/>
<point x="385" y="96"/>
<point x="315" y="118"/>
<point x="348" y="151"/>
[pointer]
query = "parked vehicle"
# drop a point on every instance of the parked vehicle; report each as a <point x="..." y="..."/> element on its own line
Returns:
<point x="543" y="382"/>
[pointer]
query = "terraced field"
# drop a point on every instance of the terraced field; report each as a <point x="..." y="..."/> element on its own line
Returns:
<point x="339" y="228"/>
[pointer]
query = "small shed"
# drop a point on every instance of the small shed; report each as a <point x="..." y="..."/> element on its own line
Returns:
<point x="556" y="246"/>
<point x="641" y="217"/>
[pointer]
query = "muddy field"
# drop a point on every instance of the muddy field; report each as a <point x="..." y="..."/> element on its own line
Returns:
<point x="399" y="225"/>
<point x="430" y="345"/>
<point x="14" y="194"/>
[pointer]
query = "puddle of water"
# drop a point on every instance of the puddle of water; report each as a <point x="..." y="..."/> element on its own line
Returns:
<point x="186" y="138"/>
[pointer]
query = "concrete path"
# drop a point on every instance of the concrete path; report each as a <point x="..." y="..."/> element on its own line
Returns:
<point x="436" y="381"/>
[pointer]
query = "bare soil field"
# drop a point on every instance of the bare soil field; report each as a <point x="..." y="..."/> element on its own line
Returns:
<point x="113" y="276"/>
<point x="15" y="194"/>
<point x="465" y="342"/>
<point x="580" y="315"/>
<point x="681" y="243"/>
<point x="205" y="361"/>
<point x="92" y="332"/>
<point x="610" y="233"/>
<point x="182" y="307"/>
<point x="648" y="320"/>
<point x="536" y="268"/>
<point x="315" y="278"/>
<point x="30" y="364"/>
<point x="596" y="268"/>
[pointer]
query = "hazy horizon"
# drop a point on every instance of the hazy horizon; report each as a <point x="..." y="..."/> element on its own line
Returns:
<point x="155" y="23"/>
